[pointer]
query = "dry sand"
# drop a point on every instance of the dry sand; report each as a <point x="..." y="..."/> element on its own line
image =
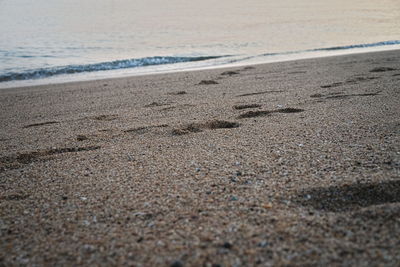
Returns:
<point x="293" y="163"/>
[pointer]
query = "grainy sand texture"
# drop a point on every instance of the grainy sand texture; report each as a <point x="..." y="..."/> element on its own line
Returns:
<point x="293" y="163"/>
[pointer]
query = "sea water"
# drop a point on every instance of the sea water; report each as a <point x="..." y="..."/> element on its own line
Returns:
<point x="44" y="41"/>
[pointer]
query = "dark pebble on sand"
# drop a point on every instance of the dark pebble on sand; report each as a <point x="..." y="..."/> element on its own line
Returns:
<point x="227" y="245"/>
<point x="177" y="264"/>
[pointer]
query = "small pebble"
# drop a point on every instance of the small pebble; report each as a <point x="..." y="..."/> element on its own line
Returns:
<point x="267" y="206"/>
<point x="263" y="244"/>
<point x="177" y="264"/>
<point x="227" y="245"/>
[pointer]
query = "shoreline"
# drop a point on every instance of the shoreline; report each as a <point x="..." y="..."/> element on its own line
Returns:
<point x="291" y="163"/>
<point x="172" y="68"/>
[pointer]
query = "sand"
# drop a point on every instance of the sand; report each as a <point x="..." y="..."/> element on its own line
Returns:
<point x="293" y="163"/>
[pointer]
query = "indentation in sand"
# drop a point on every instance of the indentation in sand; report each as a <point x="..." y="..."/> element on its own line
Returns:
<point x="178" y="93"/>
<point x="105" y="117"/>
<point x="246" y="106"/>
<point x="144" y="129"/>
<point x="297" y="72"/>
<point x="261" y="113"/>
<point x="81" y="137"/>
<point x="260" y="93"/>
<point x="41" y="124"/>
<point x="361" y="79"/>
<point x="211" y="125"/>
<point x="207" y="82"/>
<point x="351" y="95"/>
<point x="156" y="104"/>
<point x="12" y="162"/>
<point x="289" y="110"/>
<point x="350" y="197"/>
<point x="332" y="85"/>
<point x="382" y="69"/>
<point x="355" y="80"/>
<point x="253" y="114"/>
<point x="340" y="95"/>
<point x="229" y="73"/>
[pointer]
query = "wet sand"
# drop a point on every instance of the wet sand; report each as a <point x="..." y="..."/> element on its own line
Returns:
<point x="293" y="163"/>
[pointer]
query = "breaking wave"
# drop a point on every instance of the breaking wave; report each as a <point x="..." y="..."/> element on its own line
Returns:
<point x="112" y="65"/>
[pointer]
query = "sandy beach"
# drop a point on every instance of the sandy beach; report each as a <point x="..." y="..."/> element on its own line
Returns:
<point x="292" y="163"/>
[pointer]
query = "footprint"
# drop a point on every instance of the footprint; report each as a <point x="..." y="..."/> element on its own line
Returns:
<point x="297" y="72"/>
<point x="253" y="114"/>
<point x="14" y="162"/>
<point x="262" y="113"/>
<point x="332" y="85"/>
<point x="198" y="127"/>
<point x="260" y="93"/>
<point x="229" y="73"/>
<point x="144" y="129"/>
<point x="316" y="95"/>
<point x="340" y="95"/>
<point x="351" y="81"/>
<point x="382" y="69"/>
<point x="350" y="197"/>
<point x="289" y="110"/>
<point x="81" y="137"/>
<point x="191" y="128"/>
<point x="347" y="96"/>
<point x="218" y="124"/>
<point x="246" y="106"/>
<point x="207" y="82"/>
<point x="178" y="93"/>
<point x="168" y="108"/>
<point x="361" y="79"/>
<point x="105" y="117"/>
<point x="180" y="107"/>
<point x="351" y="95"/>
<point x="41" y="124"/>
<point x="156" y="104"/>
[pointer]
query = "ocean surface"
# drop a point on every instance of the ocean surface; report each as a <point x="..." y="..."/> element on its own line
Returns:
<point x="46" y="41"/>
